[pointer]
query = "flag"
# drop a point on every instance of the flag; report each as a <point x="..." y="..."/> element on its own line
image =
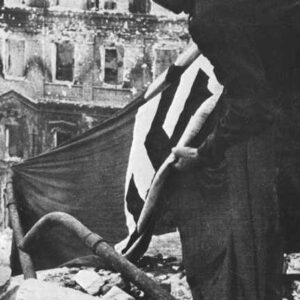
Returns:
<point x="90" y="176"/>
<point x="159" y="125"/>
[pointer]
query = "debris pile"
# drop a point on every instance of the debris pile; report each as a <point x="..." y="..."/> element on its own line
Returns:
<point x="5" y="274"/>
<point x="293" y="263"/>
<point x="165" y="270"/>
<point x="292" y="280"/>
<point x="90" y="282"/>
<point x="5" y="244"/>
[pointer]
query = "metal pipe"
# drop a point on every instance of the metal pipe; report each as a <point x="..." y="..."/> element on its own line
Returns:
<point x="195" y="124"/>
<point x="25" y="259"/>
<point x="192" y="129"/>
<point x="100" y="248"/>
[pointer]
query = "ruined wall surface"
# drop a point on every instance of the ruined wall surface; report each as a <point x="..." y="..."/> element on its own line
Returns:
<point x="76" y="66"/>
<point x="31" y="84"/>
<point x="143" y="46"/>
<point x="28" y="128"/>
<point x="122" y="6"/>
<point x="83" y="64"/>
<point x="66" y="66"/>
<point x="70" y="120"/>
<point x="18" y="124"/>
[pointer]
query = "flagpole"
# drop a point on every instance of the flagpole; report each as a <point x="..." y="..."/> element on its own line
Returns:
<point x="147" y="215"/>
<point x="194" y="126"/>
<point x="160" y="84"/>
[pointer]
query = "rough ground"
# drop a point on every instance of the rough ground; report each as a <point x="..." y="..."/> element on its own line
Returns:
<point x="162" y="262"/>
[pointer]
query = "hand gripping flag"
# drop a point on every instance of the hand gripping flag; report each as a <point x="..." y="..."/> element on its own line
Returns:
<point x="90" y="176"/>
<point x="173" y="117"/>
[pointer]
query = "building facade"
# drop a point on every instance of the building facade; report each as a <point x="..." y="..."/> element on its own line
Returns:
<point x="88" y="54"/>
<point x="67" y="65"/>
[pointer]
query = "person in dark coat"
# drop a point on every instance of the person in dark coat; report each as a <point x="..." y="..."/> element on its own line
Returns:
<point x="227" y="207"/>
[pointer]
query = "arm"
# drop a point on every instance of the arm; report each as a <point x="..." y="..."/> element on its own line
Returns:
<point x="244" y="119"/>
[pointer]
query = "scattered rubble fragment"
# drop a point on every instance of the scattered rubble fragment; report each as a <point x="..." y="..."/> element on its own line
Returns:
<point x="293" y="263"/>
<point x="169" y="273"/>
<point x="89" y="280"/>
<point x="165" y="269"/>
<point x="116" y="293"/>
<point x="295" y="290"/>
<point x="10" y="293"/>
<point x="292" y="283"/>
<point x="113" y="280"/>
<point x="105" y="284"/>
<point x="97" y="283"/>
<point x="5" y="274"/>
<point x="5" y="245"/>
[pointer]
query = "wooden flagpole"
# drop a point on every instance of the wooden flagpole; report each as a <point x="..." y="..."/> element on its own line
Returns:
<point x="194" y="126"/>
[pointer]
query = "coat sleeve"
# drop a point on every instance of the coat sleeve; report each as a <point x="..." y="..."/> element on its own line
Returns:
<point x="245" y="117"/>
<point x="238" y="53"/>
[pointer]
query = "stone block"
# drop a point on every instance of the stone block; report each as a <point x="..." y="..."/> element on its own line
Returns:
<point x="89" y="280"/>
<point x="114" y="279"/>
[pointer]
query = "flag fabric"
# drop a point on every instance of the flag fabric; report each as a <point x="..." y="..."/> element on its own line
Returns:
<point x="159" y="124"/>
<point x="90" y="176"/>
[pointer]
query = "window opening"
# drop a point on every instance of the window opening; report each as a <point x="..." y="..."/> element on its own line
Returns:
<point x="111" y="66"/>
<point x="15" y="60"/>
<point x="65" y="61"/>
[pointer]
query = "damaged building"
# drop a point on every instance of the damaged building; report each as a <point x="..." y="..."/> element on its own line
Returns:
<point x="66" y="66"/>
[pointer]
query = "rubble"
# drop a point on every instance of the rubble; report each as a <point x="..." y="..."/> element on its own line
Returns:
<point x="113" y="280"/>
<point x="164" y="267"/>
<point x="159" y="268"/>
<point x="117" y="294"/>
<point x="5" y="245"/>
<point x="5" y="274"/>
<point x="10" y="293"/>
<point x="293" y="263"/>
<point x="33" y="289"/>
<point x="89" y="280"/>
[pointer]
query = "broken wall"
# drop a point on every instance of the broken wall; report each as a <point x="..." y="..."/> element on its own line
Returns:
<point x="92" y="75"/>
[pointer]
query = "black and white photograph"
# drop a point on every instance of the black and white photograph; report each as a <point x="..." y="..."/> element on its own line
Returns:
<point x="149" y="150"/>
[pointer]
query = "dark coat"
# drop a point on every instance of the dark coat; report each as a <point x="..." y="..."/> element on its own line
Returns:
<point x="228" y="216"/>
<point x="228" y="220"/>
